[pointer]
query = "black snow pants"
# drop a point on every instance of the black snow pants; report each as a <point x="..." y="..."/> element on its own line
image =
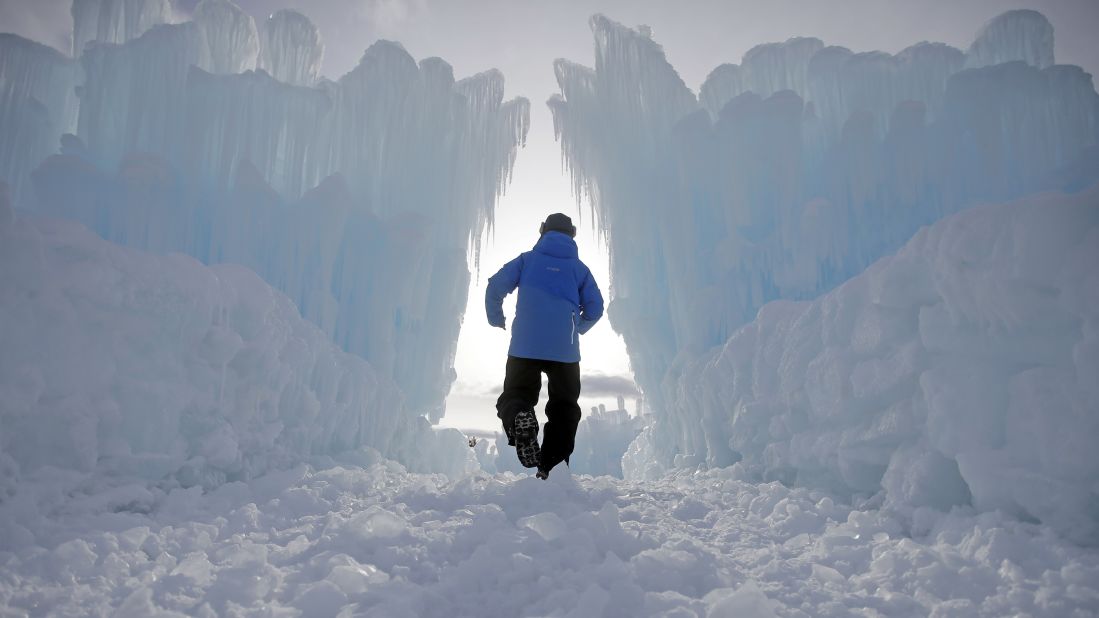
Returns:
<point x="522" y="382"/>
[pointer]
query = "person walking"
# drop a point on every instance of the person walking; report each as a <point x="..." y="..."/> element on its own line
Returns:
<point x="558" y="301"/>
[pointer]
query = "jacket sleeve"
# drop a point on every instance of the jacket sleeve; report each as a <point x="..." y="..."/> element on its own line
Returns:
<point x="500" y="285"/>
<point x="591" y="303"/>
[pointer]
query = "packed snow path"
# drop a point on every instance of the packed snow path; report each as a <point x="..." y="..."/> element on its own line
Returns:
<point x="382" y="542"/>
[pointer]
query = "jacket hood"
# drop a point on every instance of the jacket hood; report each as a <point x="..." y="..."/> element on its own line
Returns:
<point x="556" y="244"/>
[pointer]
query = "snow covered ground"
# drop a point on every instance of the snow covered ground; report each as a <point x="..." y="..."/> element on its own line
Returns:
<point x="383" y="542"/>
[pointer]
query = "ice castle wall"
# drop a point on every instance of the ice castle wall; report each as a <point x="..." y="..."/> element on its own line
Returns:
<point x="359" y="198"/>
<point x="713" y="207"/>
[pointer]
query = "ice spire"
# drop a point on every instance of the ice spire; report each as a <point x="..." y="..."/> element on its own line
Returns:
<point x="1024" y="35"/>
<point x="230" y="34"/>
<point x="772" y="67"/>
<point x="290" y="48"/>
<point x="115" y="21"/>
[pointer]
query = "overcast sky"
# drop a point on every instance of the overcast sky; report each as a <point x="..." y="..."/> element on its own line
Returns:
<point x="523" y="37"/>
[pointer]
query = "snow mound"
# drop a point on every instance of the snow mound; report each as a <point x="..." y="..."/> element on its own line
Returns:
<point x="133" y="364"/>
<point x="959" y="371"/>
<point x="381" y="542"/>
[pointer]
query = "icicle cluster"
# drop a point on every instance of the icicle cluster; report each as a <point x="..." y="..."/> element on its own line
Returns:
<point x="795" y="170"/>
<point x="1024" y="35"/>
<point x="115" y="21"/>
<point x="290" y="48"/>
<point x="361" y="198"/>
<point x="231" y="36"/>
<point x="134" y="96"/>
<point x="837" y="81"/>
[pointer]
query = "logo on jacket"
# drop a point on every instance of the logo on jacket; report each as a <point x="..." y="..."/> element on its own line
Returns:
<point x="553" y="268"/>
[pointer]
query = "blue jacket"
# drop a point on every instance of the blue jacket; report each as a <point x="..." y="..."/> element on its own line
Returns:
<point x="558" y="300"/>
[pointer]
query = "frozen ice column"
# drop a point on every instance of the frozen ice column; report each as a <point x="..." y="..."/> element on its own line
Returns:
<point x="230" y="35"/>
<point x="115" y="21"/>
<point x="134" y="95"/>
<point x="1015" y="35"/>
<point x="38" y="105"/>
<point x="290" y="48"/>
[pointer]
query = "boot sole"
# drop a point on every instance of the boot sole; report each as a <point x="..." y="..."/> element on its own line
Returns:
<point x="525" y="432"/>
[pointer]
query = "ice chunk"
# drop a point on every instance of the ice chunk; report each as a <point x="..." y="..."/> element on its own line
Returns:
<point x="602" y="439"/>
<point x="921" y="476"/>
<point x="547" y="525"/>
<point x="746" y="600"/>
<point x="377" y="523"/>
<point x="321" y="599"/>
<point x="354" y="578"/>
